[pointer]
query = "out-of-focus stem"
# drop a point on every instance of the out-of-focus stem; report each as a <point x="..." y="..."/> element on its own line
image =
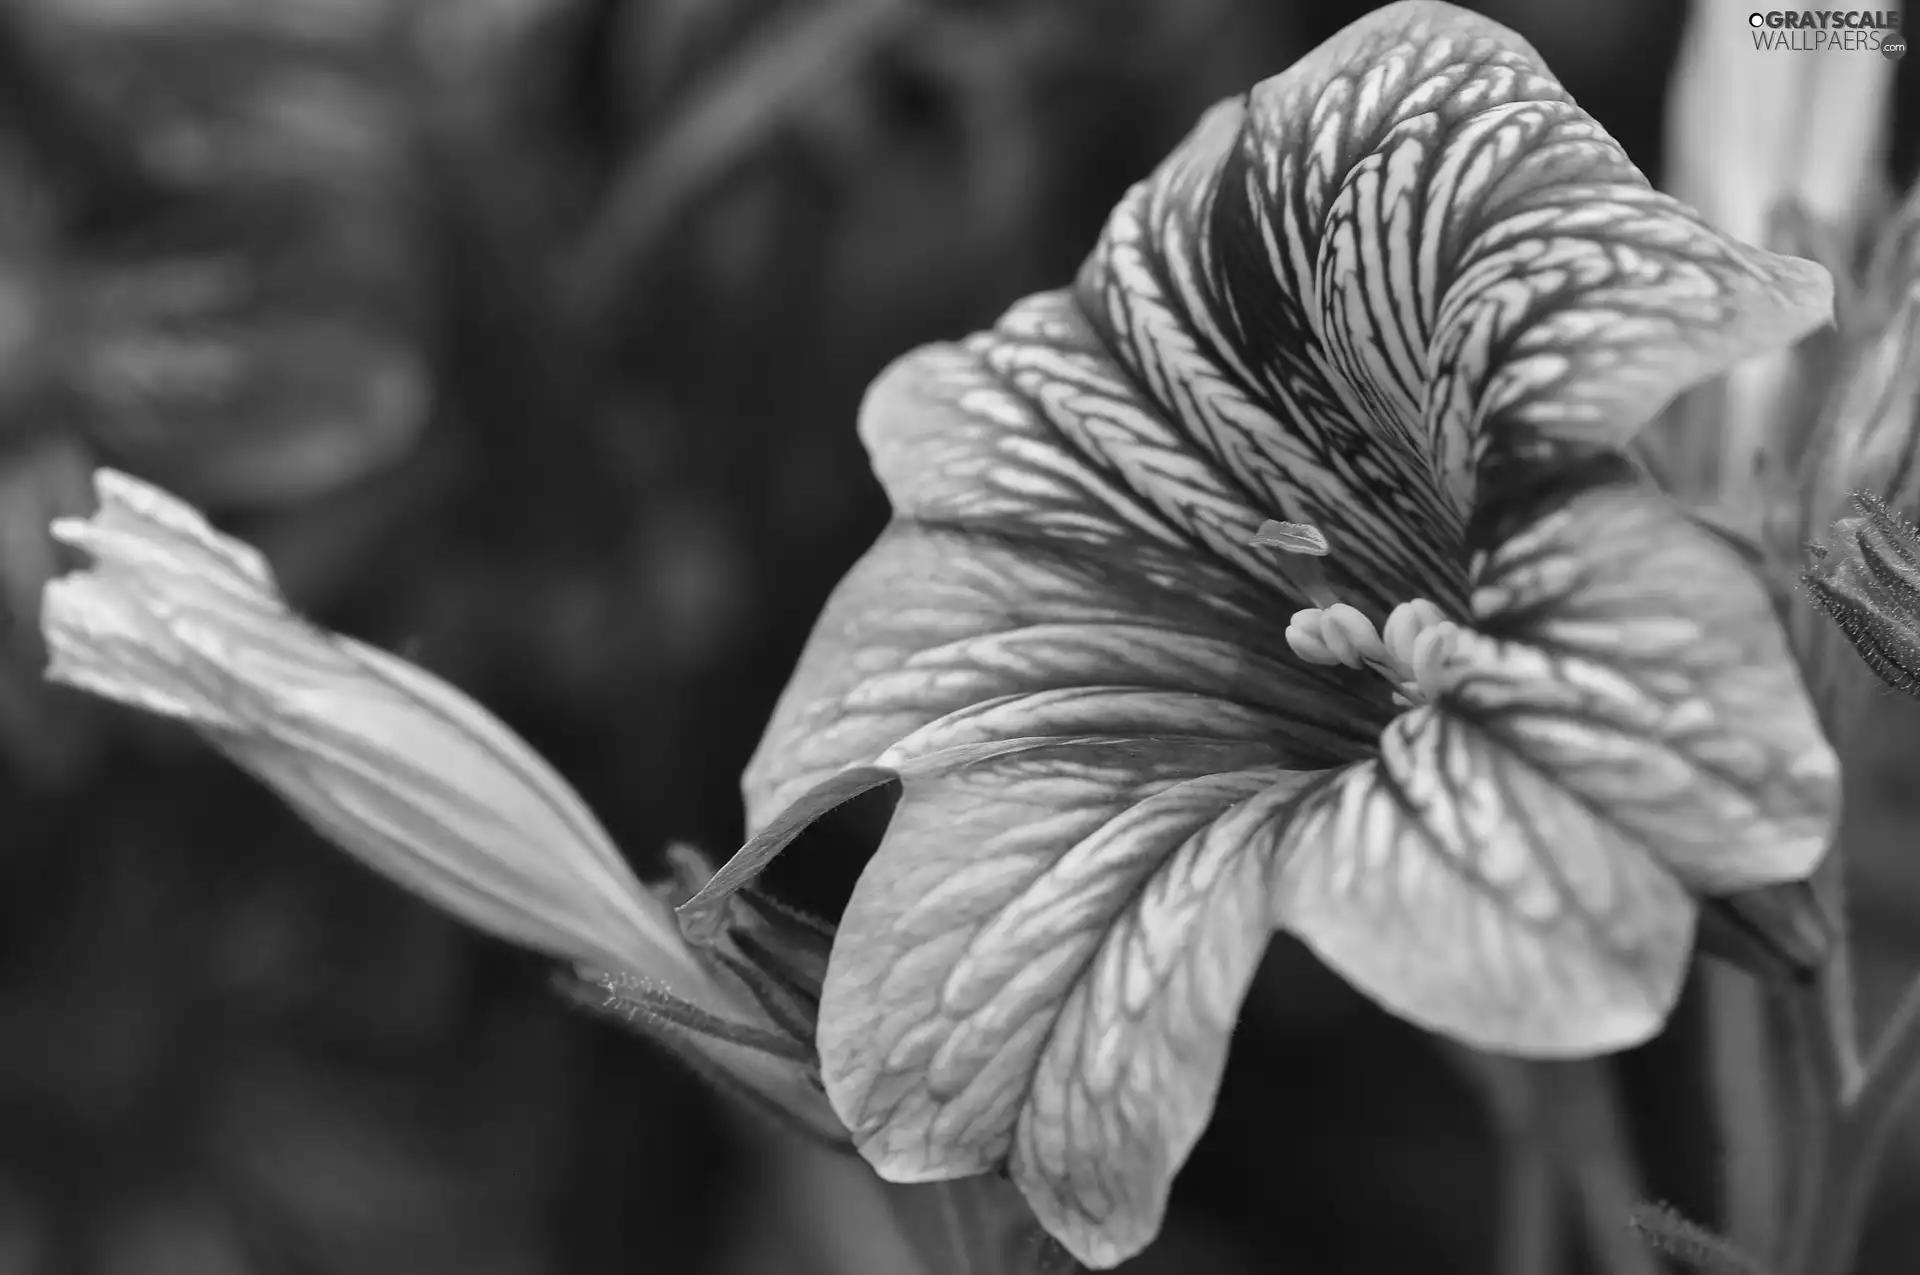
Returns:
<point x="95" y="170"/>
<point x="720" y="127"/>
<point x="1530" y="1237"/>
<point x="1826" y="1040"/>
<point x="1866" y="1123"/>
<point x="1530" y="1223"/>
<point x="1588" y="1126"/>
<point x="1745" y="1088"/>
<point x="1563" y="1134"/>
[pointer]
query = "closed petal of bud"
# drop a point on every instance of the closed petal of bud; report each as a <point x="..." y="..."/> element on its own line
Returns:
<point x="397" y="768"/>
<point x="390" y="762"/>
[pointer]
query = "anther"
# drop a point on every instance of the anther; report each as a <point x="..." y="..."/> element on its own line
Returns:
<point x="1414" y="652"/>
<point x="1338" y="634"/>
<point x="1432" y="663"/>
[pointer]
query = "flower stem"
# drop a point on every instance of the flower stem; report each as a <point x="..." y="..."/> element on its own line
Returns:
<point x="1870" y="1114"/>
<point x="1563" y="1136"/>
<point x="1530" y="1220"/>
<point x="1590" y="1136"/>
<point x="1745" y="1085"/>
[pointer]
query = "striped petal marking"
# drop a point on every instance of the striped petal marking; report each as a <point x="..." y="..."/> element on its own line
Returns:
<point x="1405" y="293"/>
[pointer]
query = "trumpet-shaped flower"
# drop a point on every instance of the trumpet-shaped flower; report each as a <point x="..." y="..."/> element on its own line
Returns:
<point x="1285" y="572"/>
<point x="399" y="769"/>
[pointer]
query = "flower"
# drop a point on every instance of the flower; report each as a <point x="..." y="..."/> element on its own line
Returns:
<point x="1407" y="304"/>
<point x="402" y="771"/>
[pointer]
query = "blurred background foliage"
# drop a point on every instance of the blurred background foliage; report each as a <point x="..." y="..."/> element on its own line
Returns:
<point x="527" y="336"/>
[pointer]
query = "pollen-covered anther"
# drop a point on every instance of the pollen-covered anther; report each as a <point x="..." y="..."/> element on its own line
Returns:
<point x="1414" y="652"/>
<point x="1432" y="661"/>
<point x="1338" y="634"/>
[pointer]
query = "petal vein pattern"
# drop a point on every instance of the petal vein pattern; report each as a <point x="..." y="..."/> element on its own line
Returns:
<point x="1020" y="566"/>
<point x="1625" y="729"/>
<point x="1404" y="265"/>
<point x="1048" y="980"/>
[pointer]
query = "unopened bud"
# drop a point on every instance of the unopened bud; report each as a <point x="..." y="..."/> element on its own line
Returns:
<point x="1868" y="579"/>
<point x="404" y="772"/>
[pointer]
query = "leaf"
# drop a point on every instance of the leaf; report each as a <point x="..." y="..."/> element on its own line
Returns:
<point x="1043" y="966"/>
<point x="735" y="110"/>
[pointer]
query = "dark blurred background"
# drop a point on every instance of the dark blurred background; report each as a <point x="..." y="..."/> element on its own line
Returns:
<point x="526" y="337"/>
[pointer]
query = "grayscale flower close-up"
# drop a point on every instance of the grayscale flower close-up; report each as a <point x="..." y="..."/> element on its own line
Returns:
<point x="959" y="640"/>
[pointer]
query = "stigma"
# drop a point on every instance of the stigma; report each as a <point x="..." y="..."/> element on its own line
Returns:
<point x="1414" y="651"/>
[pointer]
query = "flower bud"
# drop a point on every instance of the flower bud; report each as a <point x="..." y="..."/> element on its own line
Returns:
<point x="397" y="768"/>
<point x="1789" y="153"/>
<point x="1868" y="580"/>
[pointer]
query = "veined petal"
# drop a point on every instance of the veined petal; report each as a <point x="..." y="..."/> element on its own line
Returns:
<point x="1635" y="657"/>
<point x="1409" y="258"/>
<point x="1472" y="896"/>
<point x="1042" y="966"/>
<point x="939" y="638"/>
<point x="1031" y="430"/>
<point x="1626" y="728"/>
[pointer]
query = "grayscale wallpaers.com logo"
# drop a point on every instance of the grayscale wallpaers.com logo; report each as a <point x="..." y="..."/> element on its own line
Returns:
<point x="1828" y="30"/>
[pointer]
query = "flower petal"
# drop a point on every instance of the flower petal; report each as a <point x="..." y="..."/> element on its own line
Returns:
<point x="393" y="764"/>
<point x="1634" y="656"/>
<point x="1627" y="728"/>
<point x="1468" y="894"/>
<point x="1406" y="259"/>
<point x="1025" y="583"/>
<point x="1033" y="431"/>
<point x="1042" y="966"/>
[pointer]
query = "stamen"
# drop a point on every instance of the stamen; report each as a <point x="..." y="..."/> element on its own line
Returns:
<point x="1433" y="669"/>
<point x="1338" y="634"/>
<point x="1416" y="651"/>
<point x="1404" y="627"/>
<point x="1415" y="655"/>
